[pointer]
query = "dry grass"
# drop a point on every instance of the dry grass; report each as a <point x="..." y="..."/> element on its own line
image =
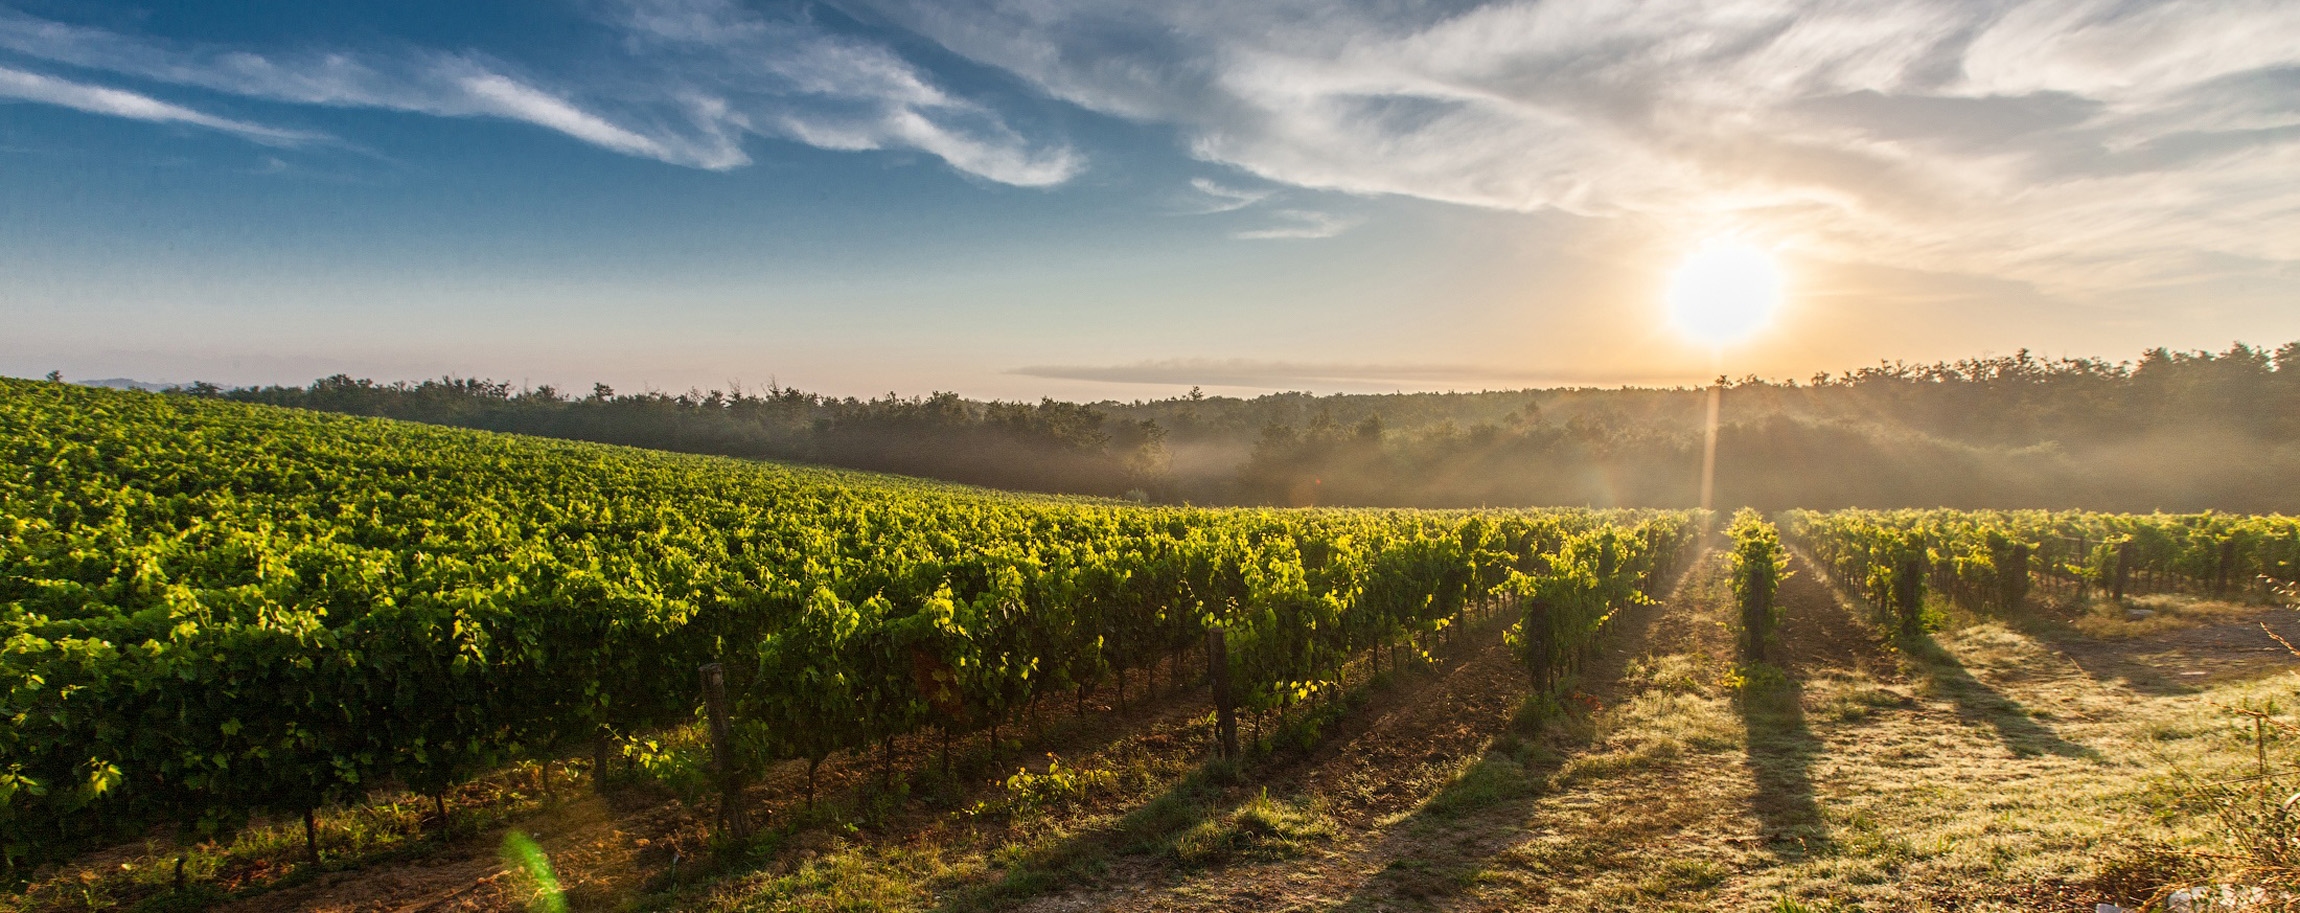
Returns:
<point x="2140" y="616"/>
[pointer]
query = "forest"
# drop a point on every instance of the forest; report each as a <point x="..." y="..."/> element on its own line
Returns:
<point x="2177" y="431"/>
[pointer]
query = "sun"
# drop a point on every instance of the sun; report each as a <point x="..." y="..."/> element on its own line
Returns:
<point x="1724" y="292"/>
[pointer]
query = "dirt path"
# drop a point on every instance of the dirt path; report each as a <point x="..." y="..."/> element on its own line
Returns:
<point x="1820" y="634"/>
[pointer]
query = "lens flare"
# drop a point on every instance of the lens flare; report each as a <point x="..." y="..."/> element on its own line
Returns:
<point x="1725" y="292"/>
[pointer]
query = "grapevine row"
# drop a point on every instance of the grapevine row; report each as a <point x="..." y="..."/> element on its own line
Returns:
<point x="210" y="610"/>
<point x="1993" y="559"/>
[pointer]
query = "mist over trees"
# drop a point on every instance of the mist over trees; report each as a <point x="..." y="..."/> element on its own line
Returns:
<point x="2177" y="431"/>
<point x="1051" y="446"/>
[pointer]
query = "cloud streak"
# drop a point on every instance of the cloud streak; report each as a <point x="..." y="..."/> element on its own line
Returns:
<point x="1219" y="198"/>
<point x="1264" y="374"/>
<point x="1215" y="198"/>
<point x="1300" y="224"/>
<point x="34" y="87"/>
<point x="2076" y="144"/>
<point x="694" y="79"/>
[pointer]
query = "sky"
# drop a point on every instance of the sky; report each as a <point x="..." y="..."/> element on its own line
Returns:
<point x="1089" y="200"/>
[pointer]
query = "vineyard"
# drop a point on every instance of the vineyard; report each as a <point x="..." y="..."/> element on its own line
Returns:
<point x="214" y="610"/>
<point x="216" y="613"/>
<point x="1994" y="559"/>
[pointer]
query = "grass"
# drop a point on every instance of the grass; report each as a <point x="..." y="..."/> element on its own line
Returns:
<point x="2138" y="616"/>
<point x="1260" y="829"/>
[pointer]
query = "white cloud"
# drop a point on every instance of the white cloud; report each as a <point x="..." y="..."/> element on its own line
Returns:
<point x="35" y="87"/>
<point x="1267" y="374"/>
<point x="2073" y="143"/>
<point x="511" y="99"/>
<point x="697" y="76"/>
<point x="1294" y="224"/>
<point x="1221" y="198"/>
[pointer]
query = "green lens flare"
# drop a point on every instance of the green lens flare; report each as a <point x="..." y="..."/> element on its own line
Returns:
<point x="521" y="854"/>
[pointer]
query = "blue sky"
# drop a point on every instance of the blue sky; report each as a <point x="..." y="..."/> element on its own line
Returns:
<point x="1013" y="198"/>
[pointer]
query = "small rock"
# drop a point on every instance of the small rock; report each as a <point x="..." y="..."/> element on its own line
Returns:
<point x="2139" y="614"/>
<point x="2212" y="898"/>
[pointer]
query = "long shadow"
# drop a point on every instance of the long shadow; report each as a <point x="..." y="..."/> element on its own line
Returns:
<point x="1781" y="754"/>
<point x="2207" y="655"/>
<point x="1213" y="792"/>
<point x="1206" y="794"/>
<point x="1977" y="702"/>
<point x="2118" y="661"/>
<point x="853" y="787"/>
<point x="1496" y="793"/>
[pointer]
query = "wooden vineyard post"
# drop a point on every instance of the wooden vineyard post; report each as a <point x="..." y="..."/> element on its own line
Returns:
<point x="2083" y="559"/>
<point x="732" y="815"/>
<point x="2012" y="579"/>
<point x="1225" y="708"/>
<point x="2226" y="583"/>
<point x="1538" y="657"/>
<point x="1756" y="615"/>
<point x="2123" y="569"/>
<point x="599" y="759"/>
<point x="1909" y="594"/>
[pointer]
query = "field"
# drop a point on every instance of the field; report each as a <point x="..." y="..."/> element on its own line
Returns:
<point x="267" y="660"/>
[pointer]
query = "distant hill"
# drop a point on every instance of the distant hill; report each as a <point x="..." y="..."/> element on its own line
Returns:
<point x="125" y="383"/>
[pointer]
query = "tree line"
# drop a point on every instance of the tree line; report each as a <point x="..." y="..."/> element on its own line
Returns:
<point x="1049" y="446"/>
<point x="2171" y="430"/>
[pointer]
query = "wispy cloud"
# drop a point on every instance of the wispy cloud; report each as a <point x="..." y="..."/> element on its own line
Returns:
<point x="695" y="78"/>
<point x="1222" y="198"/>
<point x="1297" y="224"/>
<point x="2071" y="143"/>
<point x="791" y="79"/>
<point x="1215" y="198"/>
<point x="35" y="87"/>
<point x="509" y="98"/>
<point x="420" y="81"/>
<point x="1261" y="374"/>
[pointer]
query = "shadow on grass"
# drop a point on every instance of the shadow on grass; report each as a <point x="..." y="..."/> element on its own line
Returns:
<point x="1781" y="753"/>
<point x="1158" y="825"/>
<point x="2109" y="661"/>
<point x="1221" y="812"/>
<point x="1437" y="853"/>
<point x="925" y="795"/>
<point x="1450" y="844"/>
<point x="1977" y="702"/>
<point x="1163" y="838"/>
<point x="2183" y="660"/>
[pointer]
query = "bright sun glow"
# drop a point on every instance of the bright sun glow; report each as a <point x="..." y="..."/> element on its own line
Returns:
<point x="1724" y="292"/>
